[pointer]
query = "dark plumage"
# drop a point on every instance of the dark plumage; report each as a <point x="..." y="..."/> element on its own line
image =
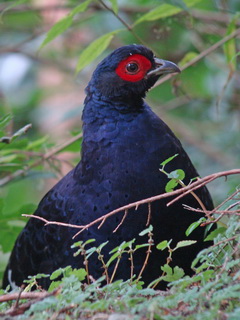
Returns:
<point x="124" y="143"/>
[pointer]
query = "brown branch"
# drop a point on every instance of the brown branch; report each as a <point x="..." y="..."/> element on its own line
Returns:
<point x="45" y="157"/>
<point x="125" y="214"/>
<point x="202" y="55"/>
<point x="24" y="295"/>
<point x="25" y="306"/>
<point x="234" y="212"/>
<point x="223" y="241"/>
<point x="126" y="25"/>
<point x="183" y="192"/>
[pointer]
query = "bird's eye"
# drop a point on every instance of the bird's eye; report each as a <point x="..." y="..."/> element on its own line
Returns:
<point x="132" y="68"/>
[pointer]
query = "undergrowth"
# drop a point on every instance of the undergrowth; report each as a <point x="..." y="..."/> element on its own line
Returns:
<point x="212" y="293"/>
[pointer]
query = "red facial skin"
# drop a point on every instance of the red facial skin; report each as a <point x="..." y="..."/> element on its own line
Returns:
<point x="144" y="65"/>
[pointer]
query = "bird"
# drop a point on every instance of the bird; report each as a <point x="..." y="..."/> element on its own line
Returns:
<point x="124" y="142"/>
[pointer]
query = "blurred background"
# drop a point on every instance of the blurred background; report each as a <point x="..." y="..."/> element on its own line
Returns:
<point x="40" y="86"/>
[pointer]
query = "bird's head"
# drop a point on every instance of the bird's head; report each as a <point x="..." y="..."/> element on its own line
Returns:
<point x="129" y="72"/>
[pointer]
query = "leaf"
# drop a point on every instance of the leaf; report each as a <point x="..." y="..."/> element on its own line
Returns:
<point x="33" y="145"/>
<point x="230" y="46"/>
<point x="99" y="248"/>
<point x="139" y="246"/>
<point x="149" y="229"/>
<point x="79" y="273"/>
<point x="80" y="8"/>
<point x="18" y="133"/>
<point x="94" y="49"/>
<point x="89" y="241"/>
<point x="168" y="160"/>
<point x="176" y="3"/>
<point x="214" y="233"/>
<point x="178" y="174"/>
<point x="171" y="185"/>
<point x="163" y="11"/>
<point x="8" y="159"/>
<point x="162" y="245"/>
<point x="11" y="6"/>
<point x="63" y="24"/>
<point x="114" y="6"/>
<point x="113" y="257"/>
<point x="4" y="121"/>
<point x="188" y="57"/>
<point x="56" y="274"/>
<point x="172" y="274"/>
<point x="194" y="225"/>
<point x="184" y="243"/>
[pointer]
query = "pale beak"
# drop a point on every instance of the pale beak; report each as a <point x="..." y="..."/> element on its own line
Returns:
<point x="163" y="67"/>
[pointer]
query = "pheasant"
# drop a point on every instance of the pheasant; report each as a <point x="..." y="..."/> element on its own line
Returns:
<point x="124" y="143"/>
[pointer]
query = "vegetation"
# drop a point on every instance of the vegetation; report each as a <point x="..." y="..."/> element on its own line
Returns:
<point x="42" y="48"/>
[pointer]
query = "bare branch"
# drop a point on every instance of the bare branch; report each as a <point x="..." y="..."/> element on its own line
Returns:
<point x="45" y="157"/>
<point x="183" y="192"/>
<point x="202" y="55"/>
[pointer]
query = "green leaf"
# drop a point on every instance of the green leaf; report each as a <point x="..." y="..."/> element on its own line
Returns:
<point x="99" y="248"/>
<point x="89" y="241"/>
<point x="214" y="233"/>
<point x="11" y="6"/>
<point x="80" y="8"/>
<point x="18" y="133"/>
<point x="94" y="50"/>
<point x="188" y="57"/>
<point x="33" y="145"/>
<point x="139" y="246"/>
<point x="172" y="274"/>
<point x="54" y="285"/>
<point x="4" y="121"/>
<point x="184" y="243"/>
<point x="162" y="245"/>
<point x="63" y="24"/>
<point x="194" y="225"/>
<point x="230" y="46"/>
<point x="79" y="273"/>
<point x="171" y="185"/>
<point x="8" y="159"/>
<point x="168" y="160"/>
<point x="178" y="174"/>
<point x="163" y="11"/>
<point x="113" y="257"/>
<point x="114" y="6"/>
<point x="149" y="229"/>
<point x="56" y="274"/>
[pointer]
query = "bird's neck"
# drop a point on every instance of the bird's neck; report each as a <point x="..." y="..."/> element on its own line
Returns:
<point x="111" y="109"/>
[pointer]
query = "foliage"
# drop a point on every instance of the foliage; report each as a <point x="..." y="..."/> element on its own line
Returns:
<point x="213" y="293"/>
<point x="40" y="143"/>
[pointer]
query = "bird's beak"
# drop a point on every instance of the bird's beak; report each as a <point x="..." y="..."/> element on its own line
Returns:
<point x="163" y="67"/>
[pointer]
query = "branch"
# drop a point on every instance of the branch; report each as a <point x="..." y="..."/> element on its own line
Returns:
<point x="25" y="306"/>
<point x="183" y="192"/>
<point x="45" y="157"/>
<point x="24" y="295"/>
<point x="128" y="27"/>
<point x="202" y="55"/>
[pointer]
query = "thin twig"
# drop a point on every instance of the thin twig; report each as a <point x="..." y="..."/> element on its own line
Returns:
<point x="24" y="295"/>
<point x="202" y="55"/>
<point x="25" y="306"/>
<point x="183" y="192"/>
<point x="149" y="214"/>
<point x="125" y="214"/>
<point x="129" y="28"/>
<point x="45" y="157"/>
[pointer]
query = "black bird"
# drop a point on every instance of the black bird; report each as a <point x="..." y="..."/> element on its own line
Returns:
<point x="124" y="143"/>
